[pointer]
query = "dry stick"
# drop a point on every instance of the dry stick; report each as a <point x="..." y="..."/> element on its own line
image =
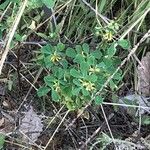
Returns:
<point x="56" y="115"/>
<point x="56" y="130"/>
<point x="61" y="8"/>
<point x="104" y="114"/>
<point x="32" y="85"/>
<point x="134" y="24"/>
<point x="24" y="77"/>
<point x="86" y="133"/>
<point x="108" y="80"/>
<point x="96" y="13"/>
<point x="28" y="138"/>
<point x="22" y="63"/>
<point x="17" y="144"/>
<point x="11" y="34"/>
<point x="95" y="132"/>
<point x="106" y="20"/>
<point x="126" y="105"/>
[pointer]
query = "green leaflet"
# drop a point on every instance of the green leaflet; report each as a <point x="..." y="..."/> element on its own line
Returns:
<point x="49" y="3"/>
<point x="43" y="91"/>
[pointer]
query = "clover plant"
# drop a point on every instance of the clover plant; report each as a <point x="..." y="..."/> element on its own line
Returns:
<point x="76" y="74"/>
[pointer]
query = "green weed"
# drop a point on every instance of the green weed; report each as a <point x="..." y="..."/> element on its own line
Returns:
<point x="76" y="74"/>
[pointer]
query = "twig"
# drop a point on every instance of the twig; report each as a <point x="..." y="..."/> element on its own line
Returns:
<point x="24" y="77"/>
<point x="30" y="140"/>
<point x="134" y="24"/>
<point x="56" y="130"/>
<point x="17" y="144"/>
<point x="104" y="114"/>
<point x="32" y="86"/>
<point x="56" y="115"/>
<point x="106" y="20"/>
<point x="126" y="105"/>
<point x="96" y="132"/>
<point x="11" y="33"/>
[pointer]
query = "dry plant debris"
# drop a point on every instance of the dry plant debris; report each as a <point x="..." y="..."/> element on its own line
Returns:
<point x="31" y="125"/>
<point x="143" y="71"/>
<point x="2" y="90"/>
<point x="144" y="76"/>
<point x="6" y="126"/>
<point x="138" y="100"/>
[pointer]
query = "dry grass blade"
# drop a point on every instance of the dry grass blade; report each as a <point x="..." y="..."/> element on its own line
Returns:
<point x="96" y="132"/>
<point x="56" y="129"/>
<point x="105" y="19"/>
<point x="5" y="12"/>
<point x="126" y="105"/>
<point x="134" y="24"/>
<point x="11" y="34"/>
<point x="32" y="86"/>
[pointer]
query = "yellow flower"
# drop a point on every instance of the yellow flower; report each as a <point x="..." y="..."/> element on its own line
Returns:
<point x="88" y="85"/>
<point x="82" y="53"/>
<point x="57" y="87"/>
<point x="94" y="70"/>
<point x="55" y="58"/>
<point x="108" y="36"/>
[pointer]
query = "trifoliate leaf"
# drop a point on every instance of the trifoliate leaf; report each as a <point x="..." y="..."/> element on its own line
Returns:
<point x="91" y="60"/>
<point x="67" y="91"/>
<point x="92" y="78"/>
<point x="77" y="82"/>
<point x="85" y="92"/>
<point x="78" y="48"/>
<point x="47" y="61"/>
